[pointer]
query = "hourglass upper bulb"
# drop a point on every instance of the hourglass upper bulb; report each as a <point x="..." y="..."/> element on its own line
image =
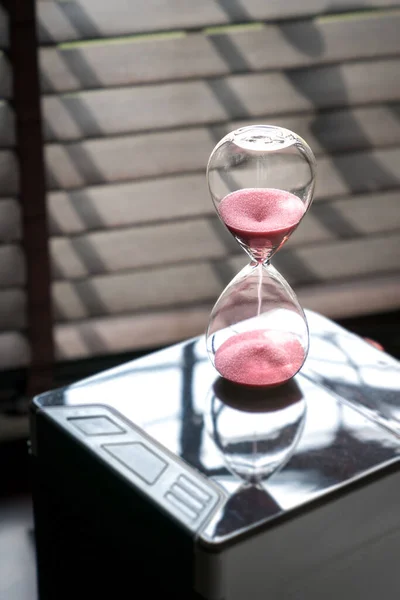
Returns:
<point x="261" y="179"/>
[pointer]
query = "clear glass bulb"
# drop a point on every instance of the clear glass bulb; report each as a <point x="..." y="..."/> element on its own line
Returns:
<point x="261" y="180"/>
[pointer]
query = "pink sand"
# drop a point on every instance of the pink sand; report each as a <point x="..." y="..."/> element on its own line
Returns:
<point x="260" y="358"/>
<point x="261" y="218"/>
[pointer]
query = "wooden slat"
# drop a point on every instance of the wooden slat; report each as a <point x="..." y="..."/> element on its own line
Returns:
<point x="123" y="158"/>
<point x="9" y="173"/>
<point x="12" y="309"/>
<point x="106" y="252"/>
<point x="91" y="19"/>
<point x="129" y="204"/>
<point x="125" y="333"/>
<point x="137" y="291"/>
<point x="198" y="282"/>
<point x="352" y="172"/>
<point x="12" y="266"/>
<point x="360" y="172"/>
<point x="143" y="248"/>
<point x="128" y="157"/>
<point x="362" y="213"/>
<point x="140" y="157"/>
<point x="348" y="129"/>
<point x="5" y="75"/>
<point x="353" y="216"/>
<point x="350" y="258"/>
<point x="353" y="298"/>
<point x="14" y="350"/>
<point x="7" y="131"/>
<point x="122" y="204"/>
<point x="303" y="43"/>
<point x="10" y="221"/>
<point x="149" y="107"/>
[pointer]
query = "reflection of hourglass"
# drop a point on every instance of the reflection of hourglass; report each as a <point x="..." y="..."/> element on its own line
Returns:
<point x="255" y="430"/>
<point x="261" y="179"/>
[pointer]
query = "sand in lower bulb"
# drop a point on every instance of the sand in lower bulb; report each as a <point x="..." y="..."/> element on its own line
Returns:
<point x="260" y="358"/>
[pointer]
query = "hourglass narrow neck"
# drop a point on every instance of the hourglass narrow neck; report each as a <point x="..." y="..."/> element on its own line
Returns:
<point x="262" y="262"/>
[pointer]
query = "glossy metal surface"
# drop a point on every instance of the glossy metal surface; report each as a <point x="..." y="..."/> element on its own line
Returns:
<point x="270" y="451"/>
<point x="359" y="373"/>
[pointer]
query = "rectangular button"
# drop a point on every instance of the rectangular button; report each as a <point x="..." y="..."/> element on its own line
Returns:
<point x="183" y="508"/>
<point x="187" y="498"/>
<point x="193" y="489"/>
<point x="96" y="425"/>
<point x="139" y="459"/>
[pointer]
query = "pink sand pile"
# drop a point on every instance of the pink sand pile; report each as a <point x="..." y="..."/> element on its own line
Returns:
<point x="260" y="358"/>
<point x="261" y="218"/>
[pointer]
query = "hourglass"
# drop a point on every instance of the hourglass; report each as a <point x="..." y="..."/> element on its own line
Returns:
<point x="261" y="179"/>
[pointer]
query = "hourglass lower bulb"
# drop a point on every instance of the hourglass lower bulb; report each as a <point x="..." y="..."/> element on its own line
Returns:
<point x="261" y="179"/>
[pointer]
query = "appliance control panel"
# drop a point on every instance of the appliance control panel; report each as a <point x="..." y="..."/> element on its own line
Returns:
<point x="177" y="488"/>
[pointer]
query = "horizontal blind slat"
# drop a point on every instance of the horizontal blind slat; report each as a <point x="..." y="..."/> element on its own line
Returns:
<point x="100" y="254"/>
<point x="346" y="129"/>
<point x="357" y="297"/>
<point x="91" y="19"/>
<point x="132" y="248"/>
<point x="12" y="266"/>
<point x="9" y="173"/>
<point x="122" y="334"/>
<point x="282" y="46"/>
<point x="200" y="281"/>
<point x="186" y="196"/>
<point x="10" y="220"/>
<point x="12" y="309"/>
<point x="14" y="350"/>
<point x="108" y="252"/>
<point x="140" y="157"/>
<point x="143" y="290"/>
<point x="250" y="96"/>
<point x="125" y="333"/>
<point x="7" y="124"/>
<point x="358" y="257"/>
<point x="5" y="75"/>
